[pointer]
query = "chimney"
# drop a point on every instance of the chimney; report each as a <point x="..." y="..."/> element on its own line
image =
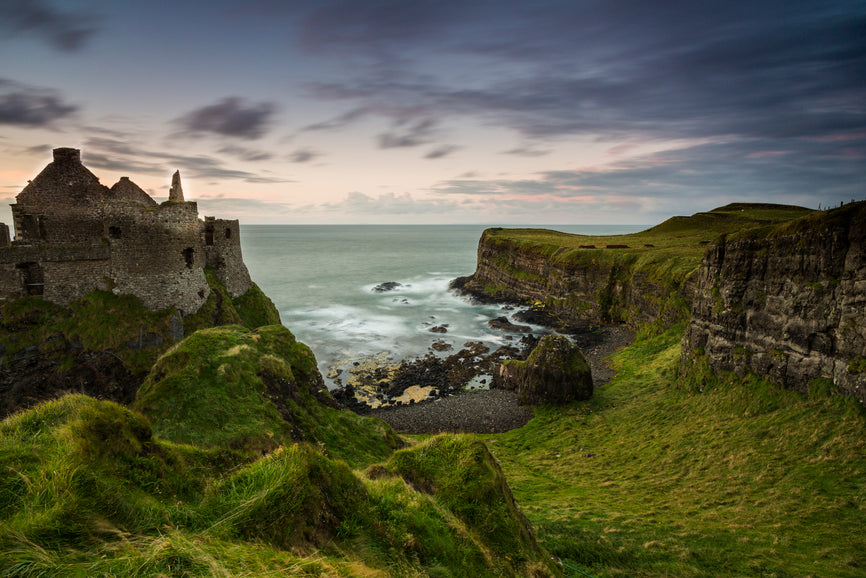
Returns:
<point x="66" y="155"/>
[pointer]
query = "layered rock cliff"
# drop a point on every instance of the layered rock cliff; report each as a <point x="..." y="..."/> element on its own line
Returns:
<point x="575" y="286"/>
<point x="787" y="302"/>
<point x="646" y="277"/>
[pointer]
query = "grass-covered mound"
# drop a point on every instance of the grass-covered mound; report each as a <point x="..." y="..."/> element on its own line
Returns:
<point x="252" y="390"/>
<point x="669" y="472"/>
<point x="103" y="344"/>
<point x="237" y="465"/>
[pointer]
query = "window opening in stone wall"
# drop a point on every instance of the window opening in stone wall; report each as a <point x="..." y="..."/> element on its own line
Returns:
<point x="33" y="227"/>
<point x="208" y="234"/>
<point x="228" y="233"/>
<point x="32" y="278"/>
<point x="189" y="256"/>
<point x="114" y="232"/>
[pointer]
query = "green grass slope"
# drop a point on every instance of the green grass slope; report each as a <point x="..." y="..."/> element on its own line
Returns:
<point x="666" y="473"/>
<point x="672" y="249"/>
<point x="233" y="463"/>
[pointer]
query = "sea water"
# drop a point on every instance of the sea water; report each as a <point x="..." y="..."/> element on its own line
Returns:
<point x="322" y="279"/>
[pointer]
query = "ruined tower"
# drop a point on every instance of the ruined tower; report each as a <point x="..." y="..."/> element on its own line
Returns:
<point x="175" y="193"/>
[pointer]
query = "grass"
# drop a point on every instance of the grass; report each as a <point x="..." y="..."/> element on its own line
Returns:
<point x="211" y="474"/>
<point x="666" y="473"/>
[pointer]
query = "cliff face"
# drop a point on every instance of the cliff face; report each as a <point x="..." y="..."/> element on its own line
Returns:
<point x="787" y="303"/>
<point x="576" y="286"/>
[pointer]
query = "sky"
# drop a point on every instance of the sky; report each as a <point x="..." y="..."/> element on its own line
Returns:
<point x="500" y="112"/>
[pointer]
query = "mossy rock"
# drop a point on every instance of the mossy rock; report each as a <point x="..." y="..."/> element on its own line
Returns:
<point x="554" y="373"/>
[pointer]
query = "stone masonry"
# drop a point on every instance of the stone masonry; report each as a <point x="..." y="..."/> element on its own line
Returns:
<point x="74" y="235"/>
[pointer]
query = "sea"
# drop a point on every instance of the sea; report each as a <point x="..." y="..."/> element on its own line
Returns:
<point x="323" y="281"/>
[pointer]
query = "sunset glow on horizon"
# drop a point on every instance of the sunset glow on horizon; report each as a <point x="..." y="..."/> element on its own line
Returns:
<point x="428" y="111"/>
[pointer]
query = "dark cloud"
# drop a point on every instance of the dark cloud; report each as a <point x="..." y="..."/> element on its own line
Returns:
<point x="247" y="154"/>
<point x="526" y="152"/>
<point x="665" y="69"/>
<point x="440" y="152"/>
<point x="417" y="133"/>
<point x="338" y="122"/>
<point x="231" y="117"/>
<point x="800" y="171"/>
<point x="303" y="156"/>
<point x="119" y="155"/>
<point x="65" y="30"/>
<point x="31" y="106"/>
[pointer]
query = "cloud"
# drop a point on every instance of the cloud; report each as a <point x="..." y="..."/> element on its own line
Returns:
<point x="526" y="152"/>
<point x="698" y="176"/>
<point x="30" y="106"/>
<point x="340" y="121"/>
<point x="303" y="155"/>
<point x="247" y="154"/>
<point x="231" y="117"/>
<point x="417" y="133"/>
<point x="442" y="151"/>
<point x="119" y="155"/>
<point x="385" y="204"/>
<point x="658" y="69"/>
<point x="64" y="30"/>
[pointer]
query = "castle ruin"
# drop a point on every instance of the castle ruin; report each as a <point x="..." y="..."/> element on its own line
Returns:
<point x="74" y="235"/>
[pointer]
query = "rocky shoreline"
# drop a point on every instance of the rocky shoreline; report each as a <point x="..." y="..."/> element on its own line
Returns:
<point x="435" y="394"/>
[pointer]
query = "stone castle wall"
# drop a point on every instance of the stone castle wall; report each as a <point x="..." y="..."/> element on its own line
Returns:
<point x="156" y="254"/>
<point x="222" y="245"/>
<point x="75" y="235"/>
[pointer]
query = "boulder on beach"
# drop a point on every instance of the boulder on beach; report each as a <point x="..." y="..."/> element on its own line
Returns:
<point x="555" y="372"/>
<point x="503" y="324"/>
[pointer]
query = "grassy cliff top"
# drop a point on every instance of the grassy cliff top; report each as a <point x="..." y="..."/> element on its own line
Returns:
<point x="676" y="245"/>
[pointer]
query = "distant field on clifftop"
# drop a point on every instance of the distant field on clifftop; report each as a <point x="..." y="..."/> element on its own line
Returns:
<point x="680" y="239"/>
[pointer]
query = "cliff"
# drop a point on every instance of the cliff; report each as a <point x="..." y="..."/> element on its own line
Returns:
<point x="787" y="302"/>
<point x="776" y="290"/>
<point x="646" y="277"/>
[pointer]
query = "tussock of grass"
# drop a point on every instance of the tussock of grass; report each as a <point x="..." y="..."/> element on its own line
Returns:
<point x="667" y="473"/>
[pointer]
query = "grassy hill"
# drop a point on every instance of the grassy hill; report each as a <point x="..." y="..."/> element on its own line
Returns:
<point x="679" y="473"/>
<point x="234" y="463"/>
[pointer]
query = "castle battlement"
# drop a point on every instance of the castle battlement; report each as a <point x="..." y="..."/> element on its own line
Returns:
<point x="74" y="235"/>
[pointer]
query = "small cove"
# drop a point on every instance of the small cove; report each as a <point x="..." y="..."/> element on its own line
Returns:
<point x="322" y="278"/>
